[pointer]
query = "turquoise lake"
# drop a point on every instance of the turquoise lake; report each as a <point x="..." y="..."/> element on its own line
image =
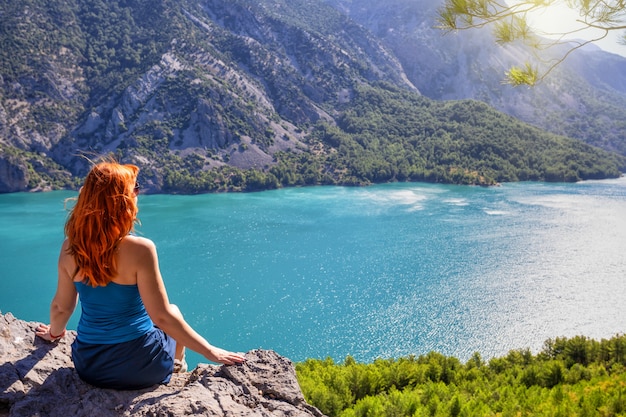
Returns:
<point x="383" y="271"/>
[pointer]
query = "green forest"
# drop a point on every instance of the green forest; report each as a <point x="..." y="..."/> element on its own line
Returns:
<point x="569" y="377"/>
<point x="387" y="134"/>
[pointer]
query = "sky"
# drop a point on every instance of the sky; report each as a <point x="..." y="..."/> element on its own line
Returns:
<point x="560" y="18"/>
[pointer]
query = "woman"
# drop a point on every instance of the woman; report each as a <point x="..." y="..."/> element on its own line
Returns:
<point x="129" y="335"/>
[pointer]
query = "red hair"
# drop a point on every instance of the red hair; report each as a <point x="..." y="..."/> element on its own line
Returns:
<point x="104" y="213"/>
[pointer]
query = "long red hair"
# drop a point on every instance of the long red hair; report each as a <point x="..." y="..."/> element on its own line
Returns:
<point x="105" y="212"/>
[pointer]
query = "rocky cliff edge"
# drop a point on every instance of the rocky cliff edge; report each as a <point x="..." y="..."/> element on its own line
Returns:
<point x="37" y="378"/>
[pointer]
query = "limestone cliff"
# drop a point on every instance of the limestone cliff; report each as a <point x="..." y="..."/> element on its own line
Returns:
<point x="37" y="378"/>
<point x="13" y="175"/>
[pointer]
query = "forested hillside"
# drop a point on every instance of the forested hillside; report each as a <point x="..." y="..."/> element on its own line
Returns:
<point x="573" y="377"/>
<point x="219" y="95"/>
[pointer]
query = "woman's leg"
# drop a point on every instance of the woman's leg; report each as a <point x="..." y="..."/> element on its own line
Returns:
<point x="180" y="348"/>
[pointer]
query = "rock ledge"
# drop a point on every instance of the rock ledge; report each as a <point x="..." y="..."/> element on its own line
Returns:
<point x="38" y="379"/>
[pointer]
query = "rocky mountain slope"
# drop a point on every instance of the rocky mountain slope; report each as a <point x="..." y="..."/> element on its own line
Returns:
<point x="230" y="82"/>
<point x="210" y="95"/>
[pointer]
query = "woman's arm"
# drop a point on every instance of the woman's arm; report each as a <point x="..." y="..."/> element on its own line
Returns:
<point x="165" y="316"/>
<point x="63" y="303"/>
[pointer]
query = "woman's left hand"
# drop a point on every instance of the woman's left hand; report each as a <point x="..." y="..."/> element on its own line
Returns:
<point x="43" y="331"/>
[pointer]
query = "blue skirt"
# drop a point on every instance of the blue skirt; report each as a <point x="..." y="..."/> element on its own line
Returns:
<point x="136" y="364"/>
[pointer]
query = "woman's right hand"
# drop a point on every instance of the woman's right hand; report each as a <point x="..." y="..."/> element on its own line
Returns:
<point x="225" y="357"/>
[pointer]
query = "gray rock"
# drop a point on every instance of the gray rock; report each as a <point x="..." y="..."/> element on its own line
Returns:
<point x="38" y="378"/>
<point x="13" y="174"/>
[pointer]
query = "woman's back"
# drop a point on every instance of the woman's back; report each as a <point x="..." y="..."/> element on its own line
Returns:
<point x="111" y="314"/>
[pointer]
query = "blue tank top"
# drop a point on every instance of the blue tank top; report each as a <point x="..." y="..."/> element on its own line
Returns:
<point x="111" y="314"/>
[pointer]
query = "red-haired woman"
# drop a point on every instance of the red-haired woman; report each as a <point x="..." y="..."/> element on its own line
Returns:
<point x="129" y="336"/>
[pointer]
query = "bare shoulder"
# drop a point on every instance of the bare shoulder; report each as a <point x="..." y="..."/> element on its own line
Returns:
<point x="138" y="241"/>
<point x="66" y="261"/>
<point x="65" y="248"/>
<point x="138" y="245"/>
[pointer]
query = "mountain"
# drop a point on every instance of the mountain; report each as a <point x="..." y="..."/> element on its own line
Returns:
<point x="583" y="98"/>
<point x="215" y="95"/>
